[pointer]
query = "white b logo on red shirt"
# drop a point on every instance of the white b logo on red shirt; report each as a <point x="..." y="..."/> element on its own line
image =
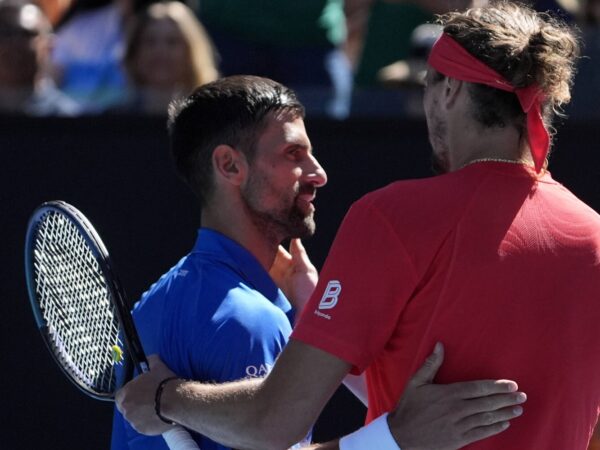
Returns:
<point x="331" y="294"/>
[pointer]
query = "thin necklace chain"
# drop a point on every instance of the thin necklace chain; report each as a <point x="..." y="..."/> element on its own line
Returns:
<point x="511" y="161"/>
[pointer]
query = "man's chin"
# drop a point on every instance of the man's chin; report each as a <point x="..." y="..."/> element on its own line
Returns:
<point x="303" y="228"/>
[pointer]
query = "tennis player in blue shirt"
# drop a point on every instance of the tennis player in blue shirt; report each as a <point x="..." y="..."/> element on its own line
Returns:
<point x="217" y="315"/>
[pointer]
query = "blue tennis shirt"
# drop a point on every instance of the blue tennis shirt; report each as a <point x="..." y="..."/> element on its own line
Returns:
<point x="215" y="316"/>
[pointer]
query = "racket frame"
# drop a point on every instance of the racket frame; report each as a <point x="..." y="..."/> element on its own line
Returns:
<point x="134" y="349"/>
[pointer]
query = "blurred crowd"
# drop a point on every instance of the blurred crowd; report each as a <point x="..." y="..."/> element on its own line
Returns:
<point x="91" y="57"/>
<point x="74" y="57"/>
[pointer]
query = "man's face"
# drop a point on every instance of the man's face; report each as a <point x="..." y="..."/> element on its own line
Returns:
<point x="283" y="179"/>
<point x="162" y="59"/>
<point x="436" y="122"/>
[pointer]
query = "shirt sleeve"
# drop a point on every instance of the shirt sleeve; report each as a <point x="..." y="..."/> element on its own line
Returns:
<point x="363" y="288"/>
<point x="242" y="339"/>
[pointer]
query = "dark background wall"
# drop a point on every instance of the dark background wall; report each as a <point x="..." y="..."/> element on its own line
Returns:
<point x="118" y="172"/>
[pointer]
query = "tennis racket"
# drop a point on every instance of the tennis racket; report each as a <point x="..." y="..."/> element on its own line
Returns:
<point x="80" y="306"/>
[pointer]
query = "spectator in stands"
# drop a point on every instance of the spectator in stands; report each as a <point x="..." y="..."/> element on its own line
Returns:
<point x="410" y="72"/>
<point x="387" y="34"/>
<point x="388" y="47"/>
<point x="168" y="54"/>
<point x="296" y="42"/>
<point x="25" y="88"/>
<point x="408" y="75"/>
<point x="88" y="51"/>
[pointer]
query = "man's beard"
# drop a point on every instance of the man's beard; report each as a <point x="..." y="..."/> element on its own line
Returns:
<point x="437" y="138"/>
<point x="439" y="164"/>
<point x="283" y="222"/>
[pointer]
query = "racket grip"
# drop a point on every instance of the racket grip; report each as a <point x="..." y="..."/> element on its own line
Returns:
<point x="179" y="439"/>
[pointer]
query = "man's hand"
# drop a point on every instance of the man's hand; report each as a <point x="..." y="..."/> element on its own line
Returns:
<point x="135" y="400"/>
<point x="448" y="417"/>
<point x="294" y="274"/>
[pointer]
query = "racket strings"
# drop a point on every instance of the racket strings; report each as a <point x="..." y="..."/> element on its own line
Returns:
<point x="74" y="299"/>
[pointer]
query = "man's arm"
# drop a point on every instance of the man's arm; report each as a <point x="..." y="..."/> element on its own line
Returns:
<point x="277" y="412"/>
<point x="296" y="276"/>
<point x="273" y="413"/>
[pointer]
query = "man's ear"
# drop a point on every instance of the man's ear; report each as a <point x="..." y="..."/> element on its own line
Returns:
<point x="452" y="88"/>
<point x="230" y="165"/>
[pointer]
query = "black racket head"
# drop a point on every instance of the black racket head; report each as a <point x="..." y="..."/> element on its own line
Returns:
<point x="72" y="292"/>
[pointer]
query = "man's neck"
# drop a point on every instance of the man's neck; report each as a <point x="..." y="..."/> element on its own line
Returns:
<point x="475" y="143"/>
<point x="238" y="226"/>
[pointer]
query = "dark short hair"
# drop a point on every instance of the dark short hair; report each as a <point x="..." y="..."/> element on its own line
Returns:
<point x="229" y="111"/>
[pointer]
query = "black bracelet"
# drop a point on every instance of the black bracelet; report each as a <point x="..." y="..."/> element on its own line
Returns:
<point x="157" y="397"/>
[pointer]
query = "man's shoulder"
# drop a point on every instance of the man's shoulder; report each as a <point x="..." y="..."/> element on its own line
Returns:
<point x="204" y="283"/>
<point x="419" y="213"/>
<point x="194" y="273"/>
<point x="566" y="204"/>
<point x="422" y="196"/>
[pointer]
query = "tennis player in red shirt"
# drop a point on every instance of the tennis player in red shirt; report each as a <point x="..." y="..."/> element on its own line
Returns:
<point x="494" y="258"/>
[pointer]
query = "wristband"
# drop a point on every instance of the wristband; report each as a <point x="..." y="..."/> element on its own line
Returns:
<point x="375" y="435"/>
<point x="158" y="395"/>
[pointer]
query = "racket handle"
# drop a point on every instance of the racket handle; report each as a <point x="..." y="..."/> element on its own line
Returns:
<point x="179" y="439"/>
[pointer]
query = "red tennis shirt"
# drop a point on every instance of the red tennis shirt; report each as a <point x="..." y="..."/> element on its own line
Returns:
<point x="500" y="265"/>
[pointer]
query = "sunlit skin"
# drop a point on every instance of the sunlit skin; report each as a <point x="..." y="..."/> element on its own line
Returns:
<point x="283" y="178"/>
<point x="262" y="199"/>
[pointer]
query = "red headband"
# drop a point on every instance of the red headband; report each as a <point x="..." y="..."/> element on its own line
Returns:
<point x="449" y="58"/>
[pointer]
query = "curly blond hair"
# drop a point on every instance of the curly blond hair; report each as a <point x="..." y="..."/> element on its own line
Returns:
<point x="522" y="45"/>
